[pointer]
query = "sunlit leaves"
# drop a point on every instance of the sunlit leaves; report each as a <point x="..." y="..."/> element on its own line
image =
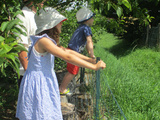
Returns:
<point x="127" y="4"/>
<point x="119" y="11"/>
<point x="106" y="5"/>
<point x="109" y="5"/>
<point x="4" y="25"/>
<point x="1" y="39"/>
<point x="9" y="46"/>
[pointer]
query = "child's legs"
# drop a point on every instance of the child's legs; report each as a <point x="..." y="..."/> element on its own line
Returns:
<point x="66" y="80"/>
<point x="72" y="71"/>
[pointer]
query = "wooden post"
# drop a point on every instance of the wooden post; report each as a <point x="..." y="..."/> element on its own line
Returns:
<point x="147" y="34"/>
<point x="158" y="37"/>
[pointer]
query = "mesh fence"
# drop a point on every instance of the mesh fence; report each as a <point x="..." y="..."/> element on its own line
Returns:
<point x="93" y="98"/>
<point x="153" y="36"/>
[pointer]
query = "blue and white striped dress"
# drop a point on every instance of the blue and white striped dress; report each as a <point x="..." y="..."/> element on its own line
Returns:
<point x="39" y="97"/>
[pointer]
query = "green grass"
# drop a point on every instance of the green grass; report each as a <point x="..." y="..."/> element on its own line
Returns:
<point x="133" y="75"/>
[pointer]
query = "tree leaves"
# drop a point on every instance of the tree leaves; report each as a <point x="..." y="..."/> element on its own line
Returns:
<point x="119" y="11"/>
<point x="127" y="4"/>
<point x="1" y="39"/>
<point x="109" y="5"/>
<point x="11" y="24"/>
<point x="19" y="47"/>
<point x="4" y="25"/>
<point x="9" y="46"/>
<point x="4" y="49"/>
<point x="105" y="5"/>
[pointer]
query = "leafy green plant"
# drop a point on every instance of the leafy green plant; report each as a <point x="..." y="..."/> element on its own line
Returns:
<point x="9" y="46"/>
<point x="9" y="32"/>
<point x="106" y="5"/>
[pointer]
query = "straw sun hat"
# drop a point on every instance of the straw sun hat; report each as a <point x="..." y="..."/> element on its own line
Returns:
<point x="84" y="14"/>
<point x="47" y="19"/>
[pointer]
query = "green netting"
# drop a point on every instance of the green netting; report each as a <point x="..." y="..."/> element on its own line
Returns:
<point x="93" y="97"/>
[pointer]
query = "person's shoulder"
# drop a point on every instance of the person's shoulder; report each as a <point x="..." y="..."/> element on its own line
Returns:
<point x="83" y="26"/>
<point x="21" y="17"/>
<point x="25" y="11"/>
<point x="46" y="37"/>
<point x="86" y="27"/>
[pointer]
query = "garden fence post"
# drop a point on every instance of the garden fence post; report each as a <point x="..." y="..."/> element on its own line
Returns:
<point x="158" y="41"/>
<point x="147" y="35"/>
<point x="97" y="90"/>
<point x="82" y="75"/>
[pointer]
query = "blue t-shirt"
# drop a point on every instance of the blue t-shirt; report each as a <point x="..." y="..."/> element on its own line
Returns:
<point x="78" y="40"/>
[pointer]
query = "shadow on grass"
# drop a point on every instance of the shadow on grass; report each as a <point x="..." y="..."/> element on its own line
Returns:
<point x="121" y="49"/>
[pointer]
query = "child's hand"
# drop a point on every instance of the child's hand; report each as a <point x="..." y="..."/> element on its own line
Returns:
<point x="93" y="61"/>
<point x="93" y="57"/>
<point x="63" y="48"/>
<point x="100" y="64"/>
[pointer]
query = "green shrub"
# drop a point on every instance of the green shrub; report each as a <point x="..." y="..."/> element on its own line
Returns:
<point x="116" y="27"/>
<point x="8" y="94"/>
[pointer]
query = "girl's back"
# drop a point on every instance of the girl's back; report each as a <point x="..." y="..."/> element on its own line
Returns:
<point x="39" y="85"/>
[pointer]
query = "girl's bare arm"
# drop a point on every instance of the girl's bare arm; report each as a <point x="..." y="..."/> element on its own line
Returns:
<point x="46" y="44"/>
<point x="79" y="55"/>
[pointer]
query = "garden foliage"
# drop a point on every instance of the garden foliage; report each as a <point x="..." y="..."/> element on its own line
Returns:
<point x="9" y="48"/>
<point x="133" y="79"/>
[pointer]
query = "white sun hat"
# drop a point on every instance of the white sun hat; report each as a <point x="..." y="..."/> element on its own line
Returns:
<point x="84" y="14"/>
<point x="47" y="19"/>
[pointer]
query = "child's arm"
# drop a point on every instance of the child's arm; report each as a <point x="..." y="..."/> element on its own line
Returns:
<point x="22" y="55"/>
<point x="89" y="47"/>
<point x="46" y="44"/>
<point x="79" y="55"/>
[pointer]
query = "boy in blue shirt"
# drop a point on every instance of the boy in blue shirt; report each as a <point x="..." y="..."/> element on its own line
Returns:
<point x="81" y="38"/>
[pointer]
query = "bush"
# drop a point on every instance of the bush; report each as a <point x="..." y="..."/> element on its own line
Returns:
<point x="8" y="94"/>
<point x="116" y="27"/>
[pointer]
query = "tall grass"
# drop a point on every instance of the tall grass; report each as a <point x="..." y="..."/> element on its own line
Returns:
<point x="133" y="76"/>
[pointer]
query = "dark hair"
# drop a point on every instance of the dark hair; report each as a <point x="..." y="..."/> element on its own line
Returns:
<point x="52" y="33"/>
<point x="25" y="3"/>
